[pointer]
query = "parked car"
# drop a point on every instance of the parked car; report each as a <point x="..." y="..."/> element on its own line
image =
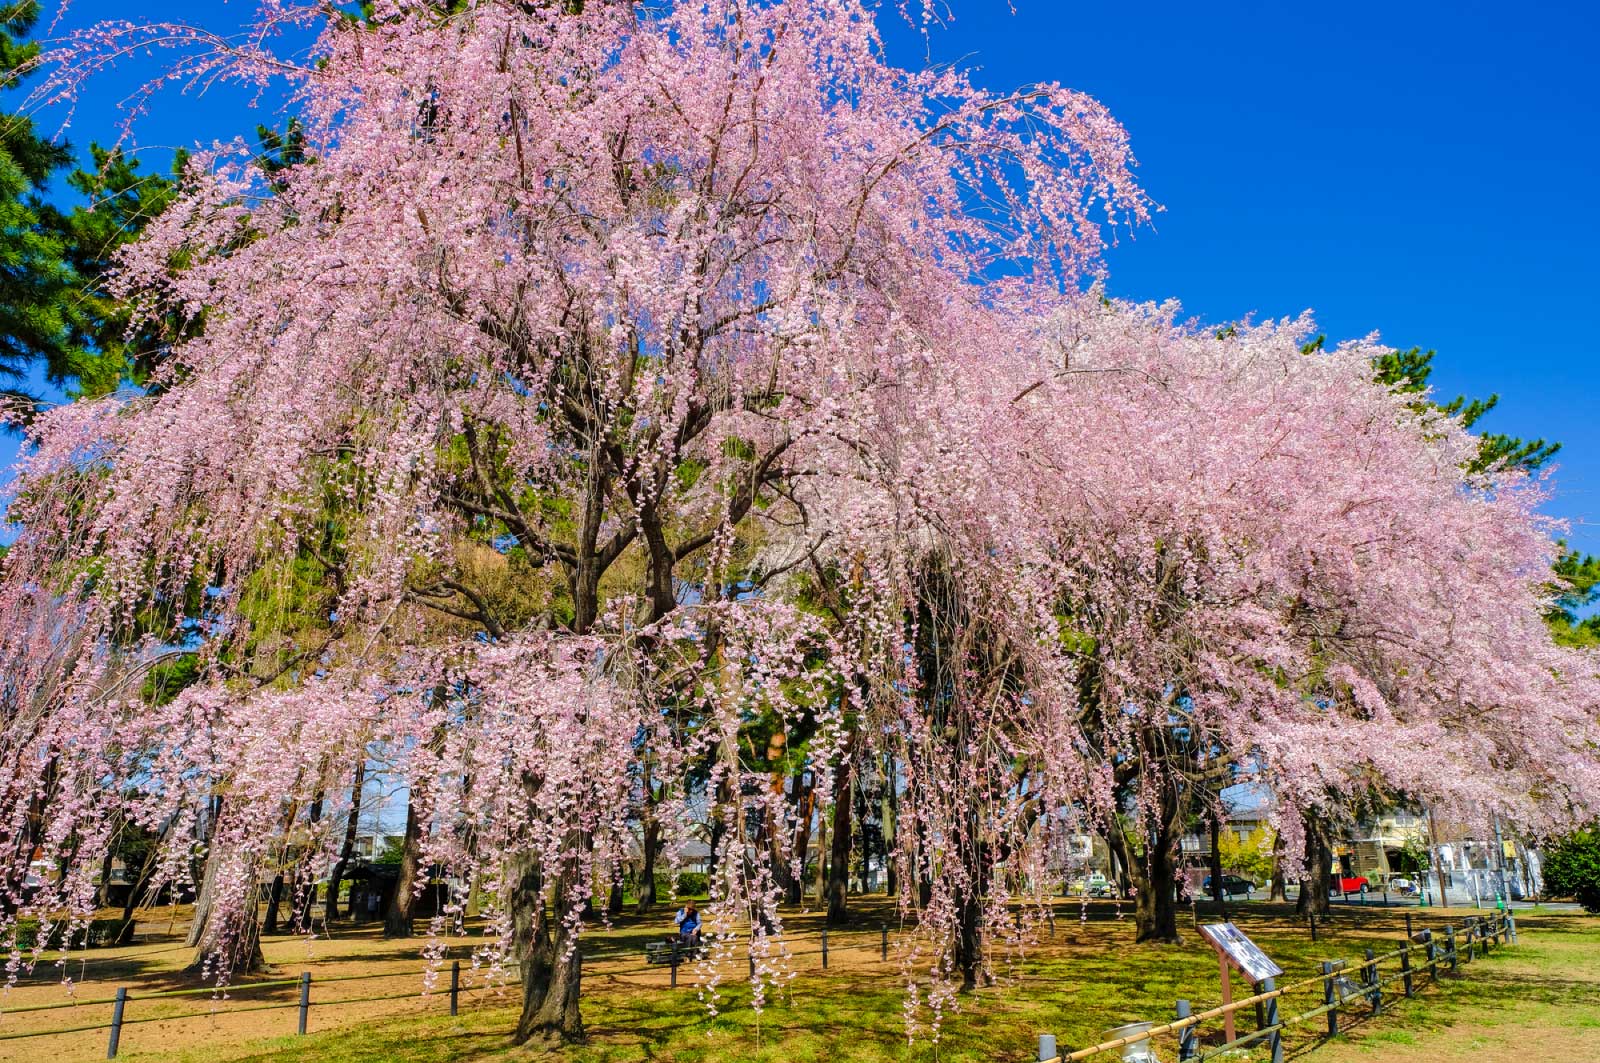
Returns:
<point x="1352" y="884"/>
<point x="1095" y="885"/>
<point x="1232" y="886"/>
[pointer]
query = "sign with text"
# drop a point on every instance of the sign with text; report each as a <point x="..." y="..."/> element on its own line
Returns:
<point x="1230" y="943"/>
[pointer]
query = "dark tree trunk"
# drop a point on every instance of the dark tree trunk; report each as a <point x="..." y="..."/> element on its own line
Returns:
<point x="398" y="917"/>
<point x="1280" y="891"/>
<point x="330" y="909"/>
<point x="647" y="873"/>
<point x="552" y="974"/>
<point x="1152" y="874"/>
<point x="1314" y="888"/>
<point x="136" y="883"/>
<point x="839" y="860"/>
<point x="306" y="892"/>
<point x="102" y="896"/>
<point x="1218" y="893"/>
<point x="651" y="842"/>
<point x="891" y="814"/>
<point x="794" y="888"/>
<point x="274" y="901"/>
<point x="614" y="901"/>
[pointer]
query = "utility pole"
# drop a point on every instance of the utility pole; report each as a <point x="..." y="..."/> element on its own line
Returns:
<point x="1501" y="893"/>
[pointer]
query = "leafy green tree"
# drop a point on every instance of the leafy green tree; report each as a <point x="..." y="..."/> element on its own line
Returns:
<point x="1572" y="868"/>
<point x="1250" y="856"/>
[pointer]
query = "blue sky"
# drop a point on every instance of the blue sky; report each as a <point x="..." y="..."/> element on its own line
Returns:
<point x="1425" y="170"/>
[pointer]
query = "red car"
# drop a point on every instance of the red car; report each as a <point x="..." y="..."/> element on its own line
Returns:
<point x="1351" y="884"/>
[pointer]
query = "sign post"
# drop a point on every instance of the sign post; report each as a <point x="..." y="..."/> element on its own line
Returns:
<point x="1236" y="950"/>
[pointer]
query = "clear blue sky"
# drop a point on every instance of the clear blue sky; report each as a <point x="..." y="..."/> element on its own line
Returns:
<point x="1426" y="170"/>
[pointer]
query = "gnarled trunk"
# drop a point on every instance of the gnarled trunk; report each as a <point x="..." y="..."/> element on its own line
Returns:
<point x="552" y="972"/>
<point x="1153" y="876"/>
<point x="1318" y="882"/>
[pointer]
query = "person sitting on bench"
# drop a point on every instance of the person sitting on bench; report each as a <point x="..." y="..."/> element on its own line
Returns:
<point x="688" y="923"/>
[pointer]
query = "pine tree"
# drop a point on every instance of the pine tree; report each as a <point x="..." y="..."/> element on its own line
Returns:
<point x="35" y="276"/>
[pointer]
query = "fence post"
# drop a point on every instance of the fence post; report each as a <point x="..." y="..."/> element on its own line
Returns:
<point x="1328" y="998"/>
<point x="1186" y="1036"/>
<point x="884" y="944"/>
<point x="116" y="1022"/>
<point x="1275" y="1038"/>
<point x="1408" y="926"/>
<point x="455" y="986"/>
<point x="674" y="963"/>
<point x="1450" y="946"/>
<point x="824" y="948"/>
<point x="751" y="954"/>
<point x="1405" y="968"/>
<point x="1047" y="1047"/>
<point x="305" y="999"/>
<point x="1371" y="967"/>
<point x="1313" y="917"/>
<point x="1431" y="952"/>
<point x="1511" y="927"/>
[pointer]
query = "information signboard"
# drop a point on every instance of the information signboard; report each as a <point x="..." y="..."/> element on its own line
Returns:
<point x="1244" y="954"/>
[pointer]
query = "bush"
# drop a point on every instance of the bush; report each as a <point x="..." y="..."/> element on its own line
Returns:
<point x="100" y="932"/>
<point x="692" y="884"/>
<point x="1572" y="869"/>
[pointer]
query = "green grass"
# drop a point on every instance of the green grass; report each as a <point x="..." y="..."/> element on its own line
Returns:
<point x="1089" y="978"/>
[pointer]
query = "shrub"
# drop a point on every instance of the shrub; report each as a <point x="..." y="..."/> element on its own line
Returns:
<point x="692" y="884"/>
<point x="1572" y="868"/>
<point x="100" y="932"/>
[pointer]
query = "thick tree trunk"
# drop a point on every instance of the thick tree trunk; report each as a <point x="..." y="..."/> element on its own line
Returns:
<point x="203" y="901"/>
<point x="330" y="909"/>
<point x="969" y="943"/>
<point x="1152" y="875"/>
<point x="1318" y="882"/>
<point x="397" y="918"/>
<point x="552" y="973"/>
<point x="839" y="859"/>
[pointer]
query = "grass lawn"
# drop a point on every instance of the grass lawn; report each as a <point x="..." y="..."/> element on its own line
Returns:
<point x="1538" y="1001"/>
<point x="1084" y="980"/>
